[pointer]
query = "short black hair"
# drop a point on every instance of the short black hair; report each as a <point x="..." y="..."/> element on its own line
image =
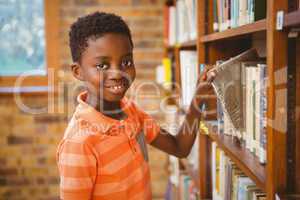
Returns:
<point x="94" y="25"/>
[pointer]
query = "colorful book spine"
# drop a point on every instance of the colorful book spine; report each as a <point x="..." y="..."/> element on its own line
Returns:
<point x="220" y="117"/>
<point x="263" y="112"/>
<point x="166" y="24"/>
<point x="234" y="13"/>
<point x="229" y="182"/>
<point x="215" y="12"/>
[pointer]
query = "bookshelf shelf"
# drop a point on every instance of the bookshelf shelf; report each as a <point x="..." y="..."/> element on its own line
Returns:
<point x="243" y="158"/>
<point x="185" y="45"/>
<point x="188" y="44"/>
<point x="239" y="31"/>
<point x="292" y="19"/>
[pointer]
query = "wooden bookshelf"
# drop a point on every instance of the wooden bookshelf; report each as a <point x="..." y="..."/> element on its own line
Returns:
<point x="243" y="158"/>
<point x="239" y="31"/>
<point x="211" y="46"/>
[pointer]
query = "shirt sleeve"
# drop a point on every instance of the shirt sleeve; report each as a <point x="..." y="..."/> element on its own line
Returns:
<point x="78" y="169"/>
<point x="149" y="126"/>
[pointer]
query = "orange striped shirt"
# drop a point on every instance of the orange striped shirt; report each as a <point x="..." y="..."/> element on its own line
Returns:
<point x="102" y="158"/>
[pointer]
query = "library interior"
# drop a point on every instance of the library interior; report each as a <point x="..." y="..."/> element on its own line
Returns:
<point x="247" y="145"/>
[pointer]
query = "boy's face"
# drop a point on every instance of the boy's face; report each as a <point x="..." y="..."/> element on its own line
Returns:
<point x="107" y="66"/>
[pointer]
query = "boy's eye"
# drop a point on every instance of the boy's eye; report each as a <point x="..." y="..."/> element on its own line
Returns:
<point x="127" y="63"/>
<point x="102" y="66"/>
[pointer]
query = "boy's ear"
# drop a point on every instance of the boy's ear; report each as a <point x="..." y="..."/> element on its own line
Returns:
<point x="77" y="71"/>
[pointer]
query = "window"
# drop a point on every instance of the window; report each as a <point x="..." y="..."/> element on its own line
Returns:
<point x="22" y="46"/>
<point x="29" y="41"/>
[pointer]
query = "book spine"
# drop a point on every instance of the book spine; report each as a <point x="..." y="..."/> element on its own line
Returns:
<point x="263" y="112"/>
<point x="172" y="25"/>
<point x="166" y="24"/>
<point x="252" y="11"/>
<point x="257" y="110"/>
<point x="219" y="11"/>
<point x="232" y="6"/>
<point x="243" y="100"/>
<point x="220" y="117"/>
<point x="223" y="14"/>
<point x="237" y="13"/>
<point x="216" y="24"/>
<point x="213" y="168"/>
<point x="226" y="14"/>
<point x="247" y="114"/>
<point x="194" y="19"/>
<point x="253" y="104"/>
<point x="229" y="13"/>
<point x="249" y="5"/>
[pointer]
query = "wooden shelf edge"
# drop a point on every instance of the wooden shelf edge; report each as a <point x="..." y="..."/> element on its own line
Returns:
<point x="242" y="30"/>
<point x="188" y="44"/>
<point x="184" y="45"/>
<point x="292" y="19"/>
<point x="243" y="158"/>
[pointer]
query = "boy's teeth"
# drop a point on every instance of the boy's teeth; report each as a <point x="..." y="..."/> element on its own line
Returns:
<point x="117" y="87"/>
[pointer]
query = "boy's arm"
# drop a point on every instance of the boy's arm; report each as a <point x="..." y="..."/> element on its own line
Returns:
<point x="181" y="144"/>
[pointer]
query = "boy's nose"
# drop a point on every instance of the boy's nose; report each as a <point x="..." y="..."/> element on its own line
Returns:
<point x="115" y="74"/>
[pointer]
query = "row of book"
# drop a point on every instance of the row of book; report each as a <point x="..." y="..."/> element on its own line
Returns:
<point x="241" y="101"/>
<point x="229" y="182"/>
<point x="165" y="75"/>
<point x="181" y="185"/>
<point x="234" y="13"/>
<point x="186" y="190"/>
<point x="180" y="22"/>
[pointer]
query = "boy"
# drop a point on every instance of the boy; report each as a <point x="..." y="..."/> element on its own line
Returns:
<point x="103" y="153"/>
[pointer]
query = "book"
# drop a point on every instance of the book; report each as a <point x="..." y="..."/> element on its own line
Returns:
<point x="166" y="16"/>
<point x="164" y="73"/>
<point x="191" y="6"/>
<point x="215" y="12"/>
<point x="262" y="119"/>
<point x="220" y="117"/>
<point x="227" y="86"/>
<point x="243" y="183"/>
<point x="189" y="76"/>
<point x="180" y="22"/>
<point x="172" y="34"/>
<point x="233" y="13"/>
<point x="249" y="98"/>
<point x="228" y="180"/>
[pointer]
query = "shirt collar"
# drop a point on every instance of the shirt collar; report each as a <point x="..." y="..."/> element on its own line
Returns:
<point x="88" y="113"/>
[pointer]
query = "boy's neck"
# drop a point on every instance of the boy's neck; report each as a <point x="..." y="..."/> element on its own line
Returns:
<point x="108" y="108"/>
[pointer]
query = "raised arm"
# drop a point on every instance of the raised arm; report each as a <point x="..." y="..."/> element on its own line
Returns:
<point x="181" y="144"/>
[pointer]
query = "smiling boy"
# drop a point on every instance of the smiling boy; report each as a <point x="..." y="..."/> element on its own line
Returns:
<point x="103" y="154"/>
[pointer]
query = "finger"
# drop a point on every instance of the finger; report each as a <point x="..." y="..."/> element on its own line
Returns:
<point x="211" y="75"/>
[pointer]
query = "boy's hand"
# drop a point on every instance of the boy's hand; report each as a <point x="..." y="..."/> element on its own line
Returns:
<point x="204" y="92"/>
<point x="204" y="82"/>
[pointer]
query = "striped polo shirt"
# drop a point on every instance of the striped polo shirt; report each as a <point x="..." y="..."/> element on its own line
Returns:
<point x="102" y="158"/>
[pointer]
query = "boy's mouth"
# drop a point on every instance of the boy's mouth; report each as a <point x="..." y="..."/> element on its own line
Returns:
<point x="117" y="88"/>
